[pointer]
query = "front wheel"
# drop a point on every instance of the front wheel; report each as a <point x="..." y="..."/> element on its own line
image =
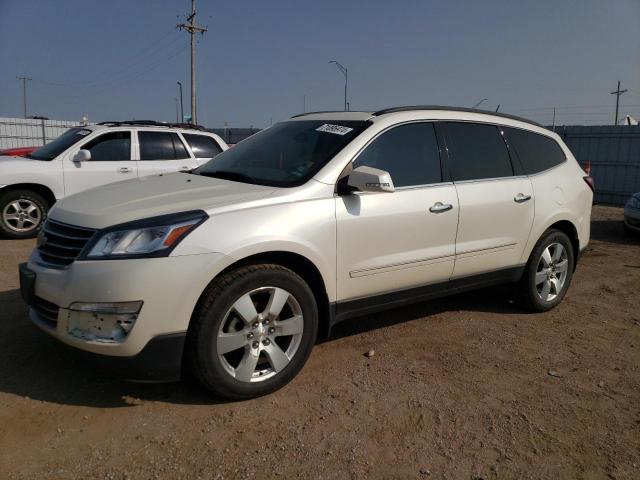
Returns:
<point x="548" y="272"/>
<point x="22" y="213"/>
<point x="252" y="332"/>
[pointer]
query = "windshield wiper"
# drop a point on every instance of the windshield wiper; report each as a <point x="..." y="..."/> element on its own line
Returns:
<point x="227" y="175"/>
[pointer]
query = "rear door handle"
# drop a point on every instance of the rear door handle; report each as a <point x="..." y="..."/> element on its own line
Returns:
<point x="521" y="198"/>
<point x="125" y="170"/>
<point x="440" y="207"/>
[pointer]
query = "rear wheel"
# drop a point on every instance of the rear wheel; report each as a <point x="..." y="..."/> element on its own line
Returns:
<point x="548" y="273"/>
<point x="253" y="331"/>
<point x="22" y="213"/>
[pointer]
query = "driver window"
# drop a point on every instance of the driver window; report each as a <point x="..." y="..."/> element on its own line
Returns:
<point x="112" y="146"/>
<point x="408" y="152"/>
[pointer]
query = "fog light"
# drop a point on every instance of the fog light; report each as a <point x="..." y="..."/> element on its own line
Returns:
<point x="107" y="308"/>
<point x="103" y="322"/>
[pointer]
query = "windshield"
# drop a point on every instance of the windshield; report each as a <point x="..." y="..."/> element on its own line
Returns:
<point x="52" y="149"/>
<point x="285" y="155"/>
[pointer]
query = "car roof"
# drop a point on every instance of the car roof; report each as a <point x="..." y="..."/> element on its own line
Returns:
<point x="148" y="125"/>
<point x="434" y="111"/>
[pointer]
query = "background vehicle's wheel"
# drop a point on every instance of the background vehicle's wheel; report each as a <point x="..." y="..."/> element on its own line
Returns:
<point x="22" y="213"/>
<point x="253" y="330"/>
<point x="548" y="273"/>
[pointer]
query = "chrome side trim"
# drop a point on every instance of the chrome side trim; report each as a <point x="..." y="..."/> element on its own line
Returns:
<point x="400" y="266"/>
<point x="482" y="251"/>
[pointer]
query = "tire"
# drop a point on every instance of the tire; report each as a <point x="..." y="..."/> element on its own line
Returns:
<point x="537" y="277"/>
<point x="22" y="213"/>
<point x="225" y="321"/>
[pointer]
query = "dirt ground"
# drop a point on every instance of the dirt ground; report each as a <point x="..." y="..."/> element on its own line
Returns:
<point x="468" y="387"/>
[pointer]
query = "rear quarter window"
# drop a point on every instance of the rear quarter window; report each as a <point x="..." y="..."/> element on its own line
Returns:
<point x="202" y="146"/>
<point x="536" y="152"/>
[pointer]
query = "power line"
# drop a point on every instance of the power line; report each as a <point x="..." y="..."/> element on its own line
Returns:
<point x="617" y="93"/>
<point x="24" y="92"/>
<point x="192" y="29"/>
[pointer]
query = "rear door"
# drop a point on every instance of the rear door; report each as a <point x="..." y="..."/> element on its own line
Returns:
<point x="496" y="205"/>
<point x="111" y="161"/>
<point x="203" y="147"/>
<point x="162" y="152"/>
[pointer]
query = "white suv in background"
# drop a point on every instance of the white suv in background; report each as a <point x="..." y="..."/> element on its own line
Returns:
<point x="87" y="157"/>
<point x="235" y="269"/>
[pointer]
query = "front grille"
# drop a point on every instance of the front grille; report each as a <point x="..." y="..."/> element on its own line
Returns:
<point x="46" y="311"/>
<point x="60" y="244"/>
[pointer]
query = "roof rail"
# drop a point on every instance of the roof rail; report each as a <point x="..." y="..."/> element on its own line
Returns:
<point x="326" y="111"/>
<point x="454" y="109"/>
<point x="153" y="123"/>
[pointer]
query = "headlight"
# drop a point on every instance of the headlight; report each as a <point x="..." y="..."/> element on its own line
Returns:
<point x="154" y="237"/>
<point x="634" y="202"/>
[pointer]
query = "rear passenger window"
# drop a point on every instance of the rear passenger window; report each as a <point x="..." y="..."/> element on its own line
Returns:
<point x="477" y="151"/>
<point x="110" y="147"/>
<point x="202" y="146"/>
<point x="408" y="152"/>
<point x="161" y="146"/>
<point x="536" y="152"/>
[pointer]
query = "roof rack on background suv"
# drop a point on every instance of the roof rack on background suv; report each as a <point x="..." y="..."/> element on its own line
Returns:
<point x="153" y="123"/>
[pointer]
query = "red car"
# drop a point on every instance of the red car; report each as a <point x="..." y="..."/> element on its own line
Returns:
<point x="18" y="151"/>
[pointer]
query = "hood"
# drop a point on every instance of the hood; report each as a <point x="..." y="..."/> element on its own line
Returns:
<point x="7" y="161"/>
<point x="151" y="196"/>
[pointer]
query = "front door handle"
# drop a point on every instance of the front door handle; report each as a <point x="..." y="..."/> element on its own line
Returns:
<point x="440" y="207"/>
<point x="184" y="168"/>
<point x="125" y="170"/>
<point x="521" y="198"/>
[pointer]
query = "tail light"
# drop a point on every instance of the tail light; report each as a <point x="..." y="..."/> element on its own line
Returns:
<point x="587" y="168"/>
<point x="589" y="181"/>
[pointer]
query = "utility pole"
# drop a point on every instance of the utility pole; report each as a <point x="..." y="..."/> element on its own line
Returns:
<point x="181" y="107"/>
<point x="617" y="93"/>
<point x="345" y="72"/>
<point x="192" y="29"/>
<point x="554" y="119"/>
<point x="24" y="92"/>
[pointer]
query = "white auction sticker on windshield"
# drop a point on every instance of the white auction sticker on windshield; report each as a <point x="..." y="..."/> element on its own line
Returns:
<point x="337" y="129"/>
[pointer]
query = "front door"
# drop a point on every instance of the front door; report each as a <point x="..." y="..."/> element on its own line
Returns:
<point x="110" y="162"/>
<point x="388" y="242"/>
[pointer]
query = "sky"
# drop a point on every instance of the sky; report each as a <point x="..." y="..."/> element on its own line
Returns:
<point x="262" y="61"/>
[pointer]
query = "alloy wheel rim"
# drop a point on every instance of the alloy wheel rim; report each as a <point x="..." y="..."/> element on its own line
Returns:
<point x="22" y="215"/>
<point x="551" y="273"/>
<point x="260" y="334"/>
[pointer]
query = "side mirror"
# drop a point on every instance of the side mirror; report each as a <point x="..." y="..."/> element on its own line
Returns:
<point x="82" y="156"/>
<point x="369" y="179"/>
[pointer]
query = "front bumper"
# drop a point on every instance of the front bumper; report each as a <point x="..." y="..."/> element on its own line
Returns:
<point x="632" y="218"/>
<point x="169" y="287"/>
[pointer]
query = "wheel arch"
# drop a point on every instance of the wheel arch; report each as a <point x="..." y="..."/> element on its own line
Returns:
<point x="42" y="190"/>
<point x="299" y="264"/>
<point x="569" y="229"/>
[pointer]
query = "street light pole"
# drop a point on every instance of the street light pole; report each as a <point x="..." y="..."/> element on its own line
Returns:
<point x="177" y="112"/>
<point x="181" y="108"/>
<point x="345" y="72"/>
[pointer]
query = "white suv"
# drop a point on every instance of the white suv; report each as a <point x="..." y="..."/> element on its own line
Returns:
<point x="87" y="157"/>
<point x="236" y="269"/>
